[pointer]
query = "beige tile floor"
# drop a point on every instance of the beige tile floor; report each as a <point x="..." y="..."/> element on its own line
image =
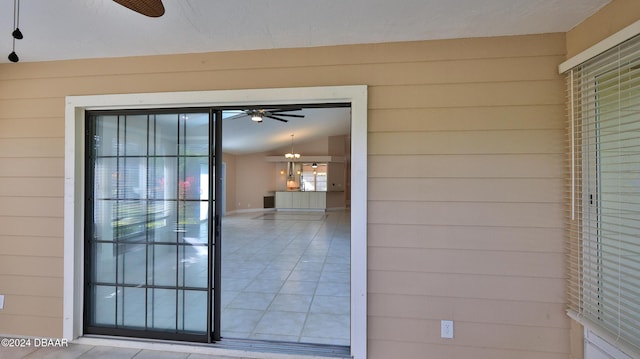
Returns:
<point x="285" y="278"/>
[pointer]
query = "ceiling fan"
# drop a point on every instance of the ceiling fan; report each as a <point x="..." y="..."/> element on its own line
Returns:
<point x="257" y="115"/>
<point x="151" y="8"/>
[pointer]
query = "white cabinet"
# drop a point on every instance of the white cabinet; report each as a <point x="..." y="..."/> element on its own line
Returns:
<point x="284" y="199"/>
<point x="301" y="200"/>
<point x="317" y="200"/>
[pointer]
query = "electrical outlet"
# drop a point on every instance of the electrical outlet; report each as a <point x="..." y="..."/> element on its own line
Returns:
<point x="446" y="329"/>
<point x="1" y="301"/>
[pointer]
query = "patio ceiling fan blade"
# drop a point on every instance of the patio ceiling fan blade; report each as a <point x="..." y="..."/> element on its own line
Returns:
<point x="151" y="8"/>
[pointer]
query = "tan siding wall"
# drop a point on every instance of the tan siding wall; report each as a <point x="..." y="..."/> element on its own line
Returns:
<point x="612" y="18"/>
<point x="465" y="175"/>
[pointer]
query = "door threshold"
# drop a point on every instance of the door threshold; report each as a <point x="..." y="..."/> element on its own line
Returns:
<point x="270" y="346"/>
<point x="232" y="348"/>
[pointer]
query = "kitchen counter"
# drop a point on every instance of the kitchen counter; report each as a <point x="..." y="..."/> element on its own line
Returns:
<point x="301" y="200"/>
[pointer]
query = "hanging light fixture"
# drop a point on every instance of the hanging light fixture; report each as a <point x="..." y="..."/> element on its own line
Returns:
<point x="16" y="34"/>
<point x="314" y="165"/>
<point x="292" y="155"/>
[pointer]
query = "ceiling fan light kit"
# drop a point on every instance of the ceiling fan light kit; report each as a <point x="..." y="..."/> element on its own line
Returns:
<point x="256" y="117"/>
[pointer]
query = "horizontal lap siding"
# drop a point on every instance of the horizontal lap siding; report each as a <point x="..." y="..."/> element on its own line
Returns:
<point x="478" y="335"/>
<point x="487" y="238"/>
<point x="474" y="310"/>
<point x="465" y="174"/>
<point x="538" y="190"/>
<point x="465" y="211"/>
<point x="473" y="166"/>
<point x="470" y="118"/>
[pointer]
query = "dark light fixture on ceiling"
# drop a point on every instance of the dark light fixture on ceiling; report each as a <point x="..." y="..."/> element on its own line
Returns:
<point x="314" y="165"/>
<point x="17" y="34"/>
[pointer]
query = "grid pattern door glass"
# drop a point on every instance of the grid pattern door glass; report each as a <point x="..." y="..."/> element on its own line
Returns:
<point x="148" y="224"/>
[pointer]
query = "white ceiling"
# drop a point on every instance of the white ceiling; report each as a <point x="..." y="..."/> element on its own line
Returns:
<point x="75" y="29"/>
<point x="72" y="29"/>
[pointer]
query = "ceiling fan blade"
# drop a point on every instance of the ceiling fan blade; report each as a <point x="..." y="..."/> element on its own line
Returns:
<point x="276" y="118"/>
<point x="151" y="8"/>
<point x="284" y="109"/>
<point x="240" y="115"/>
<point x="286" y="115"/>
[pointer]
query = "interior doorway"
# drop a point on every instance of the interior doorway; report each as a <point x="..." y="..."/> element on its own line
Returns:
<point x="154" y="267"/>
<point x="75" y="182"/>
<point x="286" y="267"/>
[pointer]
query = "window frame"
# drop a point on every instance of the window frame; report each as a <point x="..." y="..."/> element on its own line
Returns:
<point x="589" y="227"/>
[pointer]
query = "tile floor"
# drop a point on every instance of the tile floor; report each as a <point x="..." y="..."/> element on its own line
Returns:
<point x="285" y="278"/>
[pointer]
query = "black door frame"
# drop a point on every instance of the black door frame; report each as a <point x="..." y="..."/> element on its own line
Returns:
<point x="215" y="233"/>
<point x="213" y="271"/>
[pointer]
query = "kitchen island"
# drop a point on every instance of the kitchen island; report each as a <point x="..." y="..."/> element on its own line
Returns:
<point x="301" y="200"/>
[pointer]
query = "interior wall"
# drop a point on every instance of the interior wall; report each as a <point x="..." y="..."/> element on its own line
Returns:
<point x="615" y="16"/>
<point x="251" y="177"/>
<point x="230" y="182"/>
<point x="465" y="193"/>
<point x="254" y="180"/>
<point x="317" y="147"/>
<point x="337" y="176"/>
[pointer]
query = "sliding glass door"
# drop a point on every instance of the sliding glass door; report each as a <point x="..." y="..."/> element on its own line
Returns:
<point x="149" y="246"/>
<point x="153" y="233"/>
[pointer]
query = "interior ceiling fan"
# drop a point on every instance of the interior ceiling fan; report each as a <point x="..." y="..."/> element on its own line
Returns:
<point x="257" y="115"/>
<point x="151" y="8"/>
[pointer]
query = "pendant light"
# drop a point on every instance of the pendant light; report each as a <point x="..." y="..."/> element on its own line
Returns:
<point x="292" y="155"/>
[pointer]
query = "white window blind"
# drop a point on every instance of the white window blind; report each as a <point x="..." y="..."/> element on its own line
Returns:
<point x="604" y="212"/>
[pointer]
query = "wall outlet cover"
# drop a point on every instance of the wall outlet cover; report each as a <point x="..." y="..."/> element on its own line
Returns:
<point x="1" y="301"/>
<point x="446" y="329"/>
